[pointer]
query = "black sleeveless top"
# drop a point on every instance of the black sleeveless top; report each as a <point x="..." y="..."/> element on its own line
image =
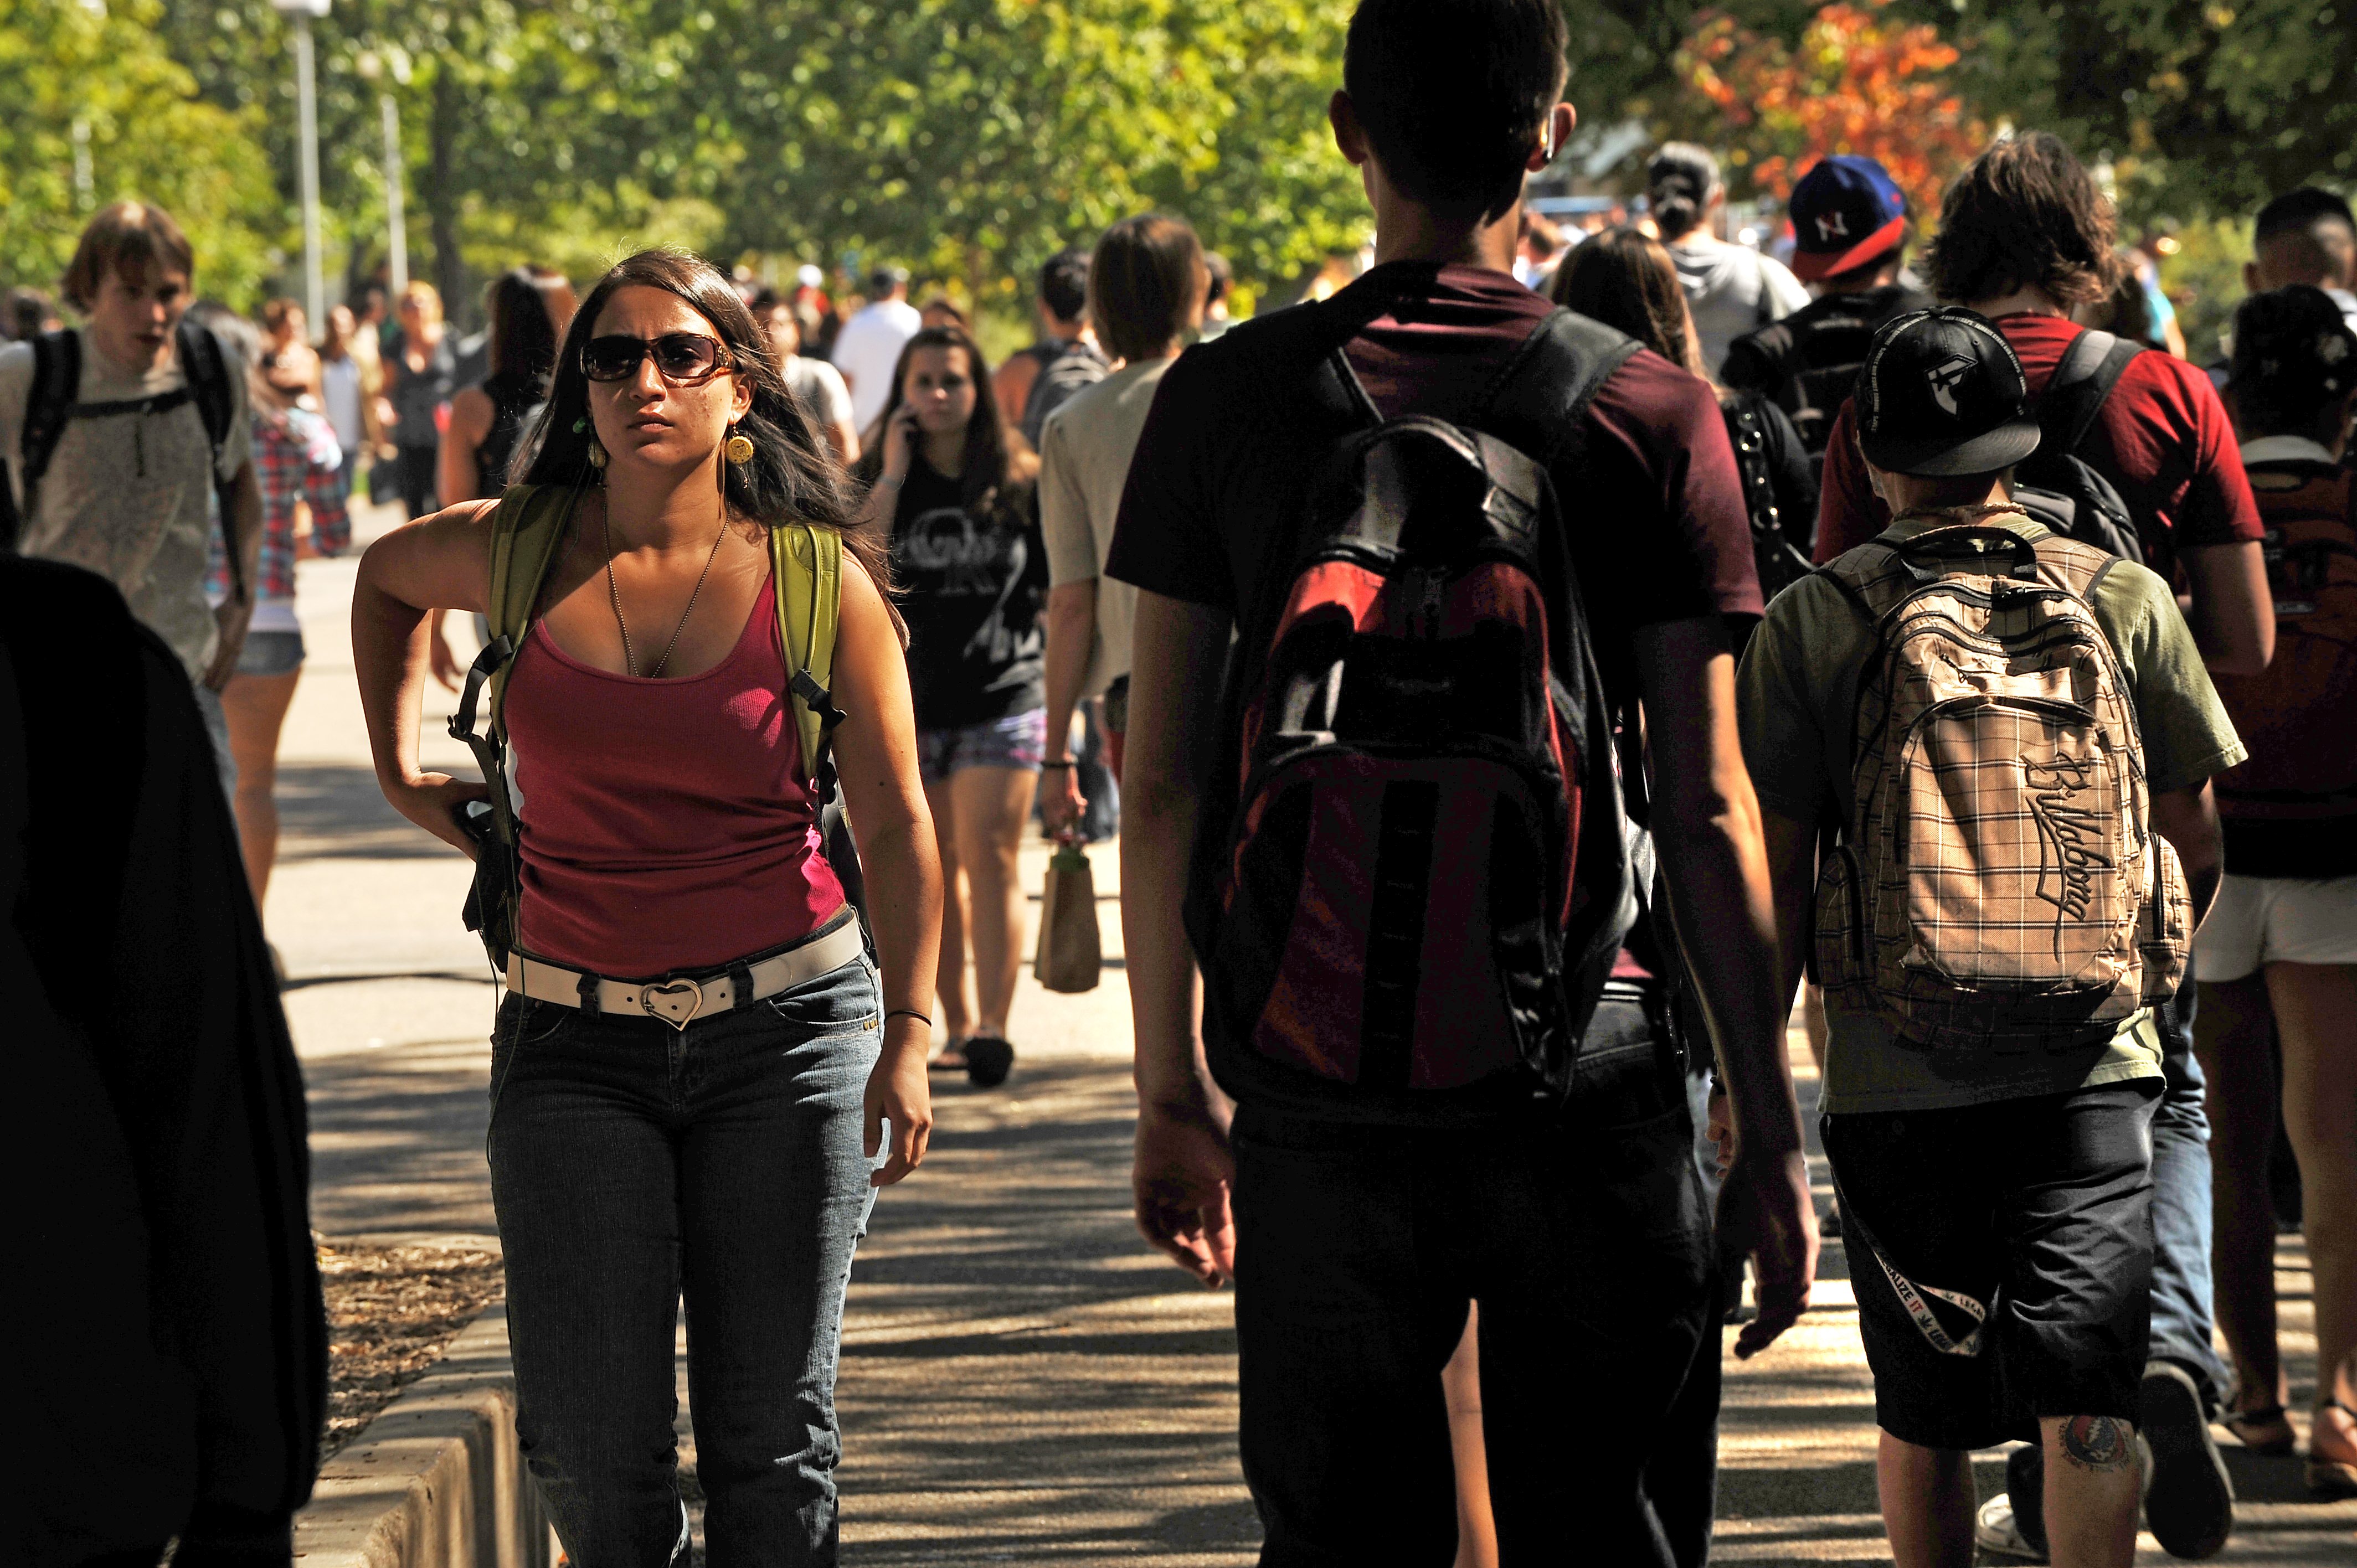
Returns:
<point x="515" y="402"/>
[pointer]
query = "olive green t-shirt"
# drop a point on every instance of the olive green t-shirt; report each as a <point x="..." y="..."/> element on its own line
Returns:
<point x="1797" y="697"/>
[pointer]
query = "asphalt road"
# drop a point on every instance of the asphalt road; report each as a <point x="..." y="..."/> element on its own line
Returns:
<point x="1022" y="1381"/>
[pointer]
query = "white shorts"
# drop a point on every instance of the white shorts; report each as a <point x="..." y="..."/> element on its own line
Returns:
<point x="2275" y="919"/>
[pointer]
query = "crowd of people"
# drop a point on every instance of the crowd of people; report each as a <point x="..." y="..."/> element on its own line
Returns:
<point x="1538" y="672"/>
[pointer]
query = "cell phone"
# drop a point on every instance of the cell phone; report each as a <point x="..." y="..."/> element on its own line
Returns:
<point x="474" y="818"/>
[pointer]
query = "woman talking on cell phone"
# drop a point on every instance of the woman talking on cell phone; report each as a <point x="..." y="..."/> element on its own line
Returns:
<point x="695" y="1040"/>
<point x="962" y="503"/>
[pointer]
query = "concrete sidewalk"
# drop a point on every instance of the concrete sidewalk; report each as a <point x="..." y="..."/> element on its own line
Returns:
<point x="1022" y="1381"/>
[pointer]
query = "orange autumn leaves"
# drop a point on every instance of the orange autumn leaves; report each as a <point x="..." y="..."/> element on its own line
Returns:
<point x="1854" y="82"/>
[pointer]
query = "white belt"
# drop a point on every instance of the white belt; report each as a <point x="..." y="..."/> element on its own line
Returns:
<point x="679" y="999"/>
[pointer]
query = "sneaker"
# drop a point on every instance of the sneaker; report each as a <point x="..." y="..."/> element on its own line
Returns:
<point x="988" y="1060"/>
<point x="1996" y="1530"/>
<point x="2188" y="1498"/>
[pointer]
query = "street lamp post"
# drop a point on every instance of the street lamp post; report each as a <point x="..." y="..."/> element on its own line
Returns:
<point x="306" y="99"/>
<point x="396" y="225"/>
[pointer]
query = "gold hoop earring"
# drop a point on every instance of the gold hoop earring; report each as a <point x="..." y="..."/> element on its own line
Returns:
<point x="740" y="450"/>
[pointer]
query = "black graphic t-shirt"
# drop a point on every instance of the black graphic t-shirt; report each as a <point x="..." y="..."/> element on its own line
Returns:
<point x="971" y="586"/>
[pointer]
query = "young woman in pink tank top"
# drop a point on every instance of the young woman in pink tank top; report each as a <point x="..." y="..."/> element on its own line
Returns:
<point x="699" y="1077"/>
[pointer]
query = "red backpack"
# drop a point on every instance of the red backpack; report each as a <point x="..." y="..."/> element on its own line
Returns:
<point x="1426" y="870"/>
<point x="2295" y="716"/>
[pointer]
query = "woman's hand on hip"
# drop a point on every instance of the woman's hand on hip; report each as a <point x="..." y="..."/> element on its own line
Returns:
<point x="432" y="801"/>
<point x="898" y="1092"/>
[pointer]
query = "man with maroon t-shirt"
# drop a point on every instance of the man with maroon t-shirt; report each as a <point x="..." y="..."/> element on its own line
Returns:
<point x="1362" y="1236"/>
<point x="2025" y="237"/>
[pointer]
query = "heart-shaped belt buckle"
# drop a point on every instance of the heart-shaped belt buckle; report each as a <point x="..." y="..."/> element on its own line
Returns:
<point x="675" y="1002"/>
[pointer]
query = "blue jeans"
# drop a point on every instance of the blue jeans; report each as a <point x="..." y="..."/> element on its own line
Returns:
<point x="631" y="1162"/>
<point x="2182" y="1301"/>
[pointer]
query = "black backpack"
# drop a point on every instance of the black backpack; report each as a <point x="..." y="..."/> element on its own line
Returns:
<point x="1416" y="866"/>
<point x="2054" y="484"/>
<point x="1808" y="363"/>
<point x="1077" y="367"/>
<point x="49" y="405"/>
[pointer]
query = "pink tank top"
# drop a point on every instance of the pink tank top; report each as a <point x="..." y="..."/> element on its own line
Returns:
<point x="666" y="826"/>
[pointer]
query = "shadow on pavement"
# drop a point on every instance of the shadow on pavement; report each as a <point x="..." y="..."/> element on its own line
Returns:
<point x="335" y="812"/>
<point x="397" y="1140"/>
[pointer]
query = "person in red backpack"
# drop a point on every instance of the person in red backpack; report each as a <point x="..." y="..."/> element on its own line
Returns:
<point x="2282" y="949"/>
<point x="1459" y="530"/>
<point x="2025" y="237"/>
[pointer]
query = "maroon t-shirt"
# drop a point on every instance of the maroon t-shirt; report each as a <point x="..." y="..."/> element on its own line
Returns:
<point x="1653" y="509"/>
<point x="2163" y="440"/>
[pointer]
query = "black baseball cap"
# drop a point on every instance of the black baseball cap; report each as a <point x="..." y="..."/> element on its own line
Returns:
<point x="1943" y="396"/>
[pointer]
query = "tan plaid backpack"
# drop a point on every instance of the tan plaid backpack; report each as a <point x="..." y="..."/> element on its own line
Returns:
<point x="1998" y="885"/>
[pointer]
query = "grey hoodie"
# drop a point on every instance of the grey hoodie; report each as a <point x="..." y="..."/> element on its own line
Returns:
<point x="1733" y="289"/>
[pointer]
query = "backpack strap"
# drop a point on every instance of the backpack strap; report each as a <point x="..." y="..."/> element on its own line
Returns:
<point x="207" y="371"/>
<point x="2091" y="367"/>
<point x="49" y="404"/>
<point x="806" y="571"/>
<point x="1533" y="396"/>
<point x="527" y="531"/>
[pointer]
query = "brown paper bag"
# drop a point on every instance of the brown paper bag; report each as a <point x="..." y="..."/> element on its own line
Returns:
<point x="1071" y="951"/>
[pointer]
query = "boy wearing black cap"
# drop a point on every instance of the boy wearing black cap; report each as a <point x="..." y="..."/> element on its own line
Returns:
<point x="1994" y="725"/>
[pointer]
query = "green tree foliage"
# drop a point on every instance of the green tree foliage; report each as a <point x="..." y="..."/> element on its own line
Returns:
<point x="147" y="134"/>
<point x="2201" y="106"/>
<point x="966" y="138"/>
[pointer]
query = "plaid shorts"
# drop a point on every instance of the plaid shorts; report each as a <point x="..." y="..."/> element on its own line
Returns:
<point x="1018" y="741"/>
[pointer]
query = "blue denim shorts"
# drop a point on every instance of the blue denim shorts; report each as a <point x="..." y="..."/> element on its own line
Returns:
<point x="271" y="653"/>
<point x="1018" y="741"/>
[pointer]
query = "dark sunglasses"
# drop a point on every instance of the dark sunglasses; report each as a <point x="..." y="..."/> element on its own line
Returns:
<point x="682" y="359"/>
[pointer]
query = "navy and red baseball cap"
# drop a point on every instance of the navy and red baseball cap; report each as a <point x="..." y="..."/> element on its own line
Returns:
<point x="1846" y="212"/>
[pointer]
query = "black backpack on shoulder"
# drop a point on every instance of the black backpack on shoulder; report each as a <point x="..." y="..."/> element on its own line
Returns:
<point x="1416" y="865"/>
<point x="1808" y="363"/>
<point x="49" y="405"/>
<point x="2054" y="484"/>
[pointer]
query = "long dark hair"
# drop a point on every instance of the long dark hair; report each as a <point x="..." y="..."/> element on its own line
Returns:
<point x="1625" y="278"/>
<point x="522" y="338"/>
<point x="990" y="462"/>
<point x="792" y="476"/>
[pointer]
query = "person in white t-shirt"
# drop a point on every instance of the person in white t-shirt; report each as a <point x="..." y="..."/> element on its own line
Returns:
<point x="818" y="384"/>
<point x="1146" y="287"/>
<point x="870" y="342"/>
<point x="129" y="489"/>
<point x="1732" y="289"/>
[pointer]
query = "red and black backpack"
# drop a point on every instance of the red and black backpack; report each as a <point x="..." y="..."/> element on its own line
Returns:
<point x="2295" y="715"/>
<point x="1418" y="868"/>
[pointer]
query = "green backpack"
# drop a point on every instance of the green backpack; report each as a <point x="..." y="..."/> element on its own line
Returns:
<point x="527" y="531"/>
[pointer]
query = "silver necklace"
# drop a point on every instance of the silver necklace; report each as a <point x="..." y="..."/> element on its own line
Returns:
<point x="614" y="595"/>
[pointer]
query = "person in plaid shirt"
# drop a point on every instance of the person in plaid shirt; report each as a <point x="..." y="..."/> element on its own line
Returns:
<point x="1998" y="1200"/>
<point x="299" y="464"/>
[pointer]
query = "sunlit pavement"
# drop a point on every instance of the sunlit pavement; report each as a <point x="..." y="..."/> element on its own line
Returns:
<point x="1022" y="1381"/>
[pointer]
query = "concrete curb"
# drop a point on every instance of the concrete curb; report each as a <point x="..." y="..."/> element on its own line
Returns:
<point x="436" y="1480"/>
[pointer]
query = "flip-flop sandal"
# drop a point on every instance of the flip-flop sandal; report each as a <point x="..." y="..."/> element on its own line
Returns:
<point x="952" y="1057"/>
<point x="988" y="1059"/>
<point x="2330" y="1478"/>
<point x="2264" y="1429"/>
